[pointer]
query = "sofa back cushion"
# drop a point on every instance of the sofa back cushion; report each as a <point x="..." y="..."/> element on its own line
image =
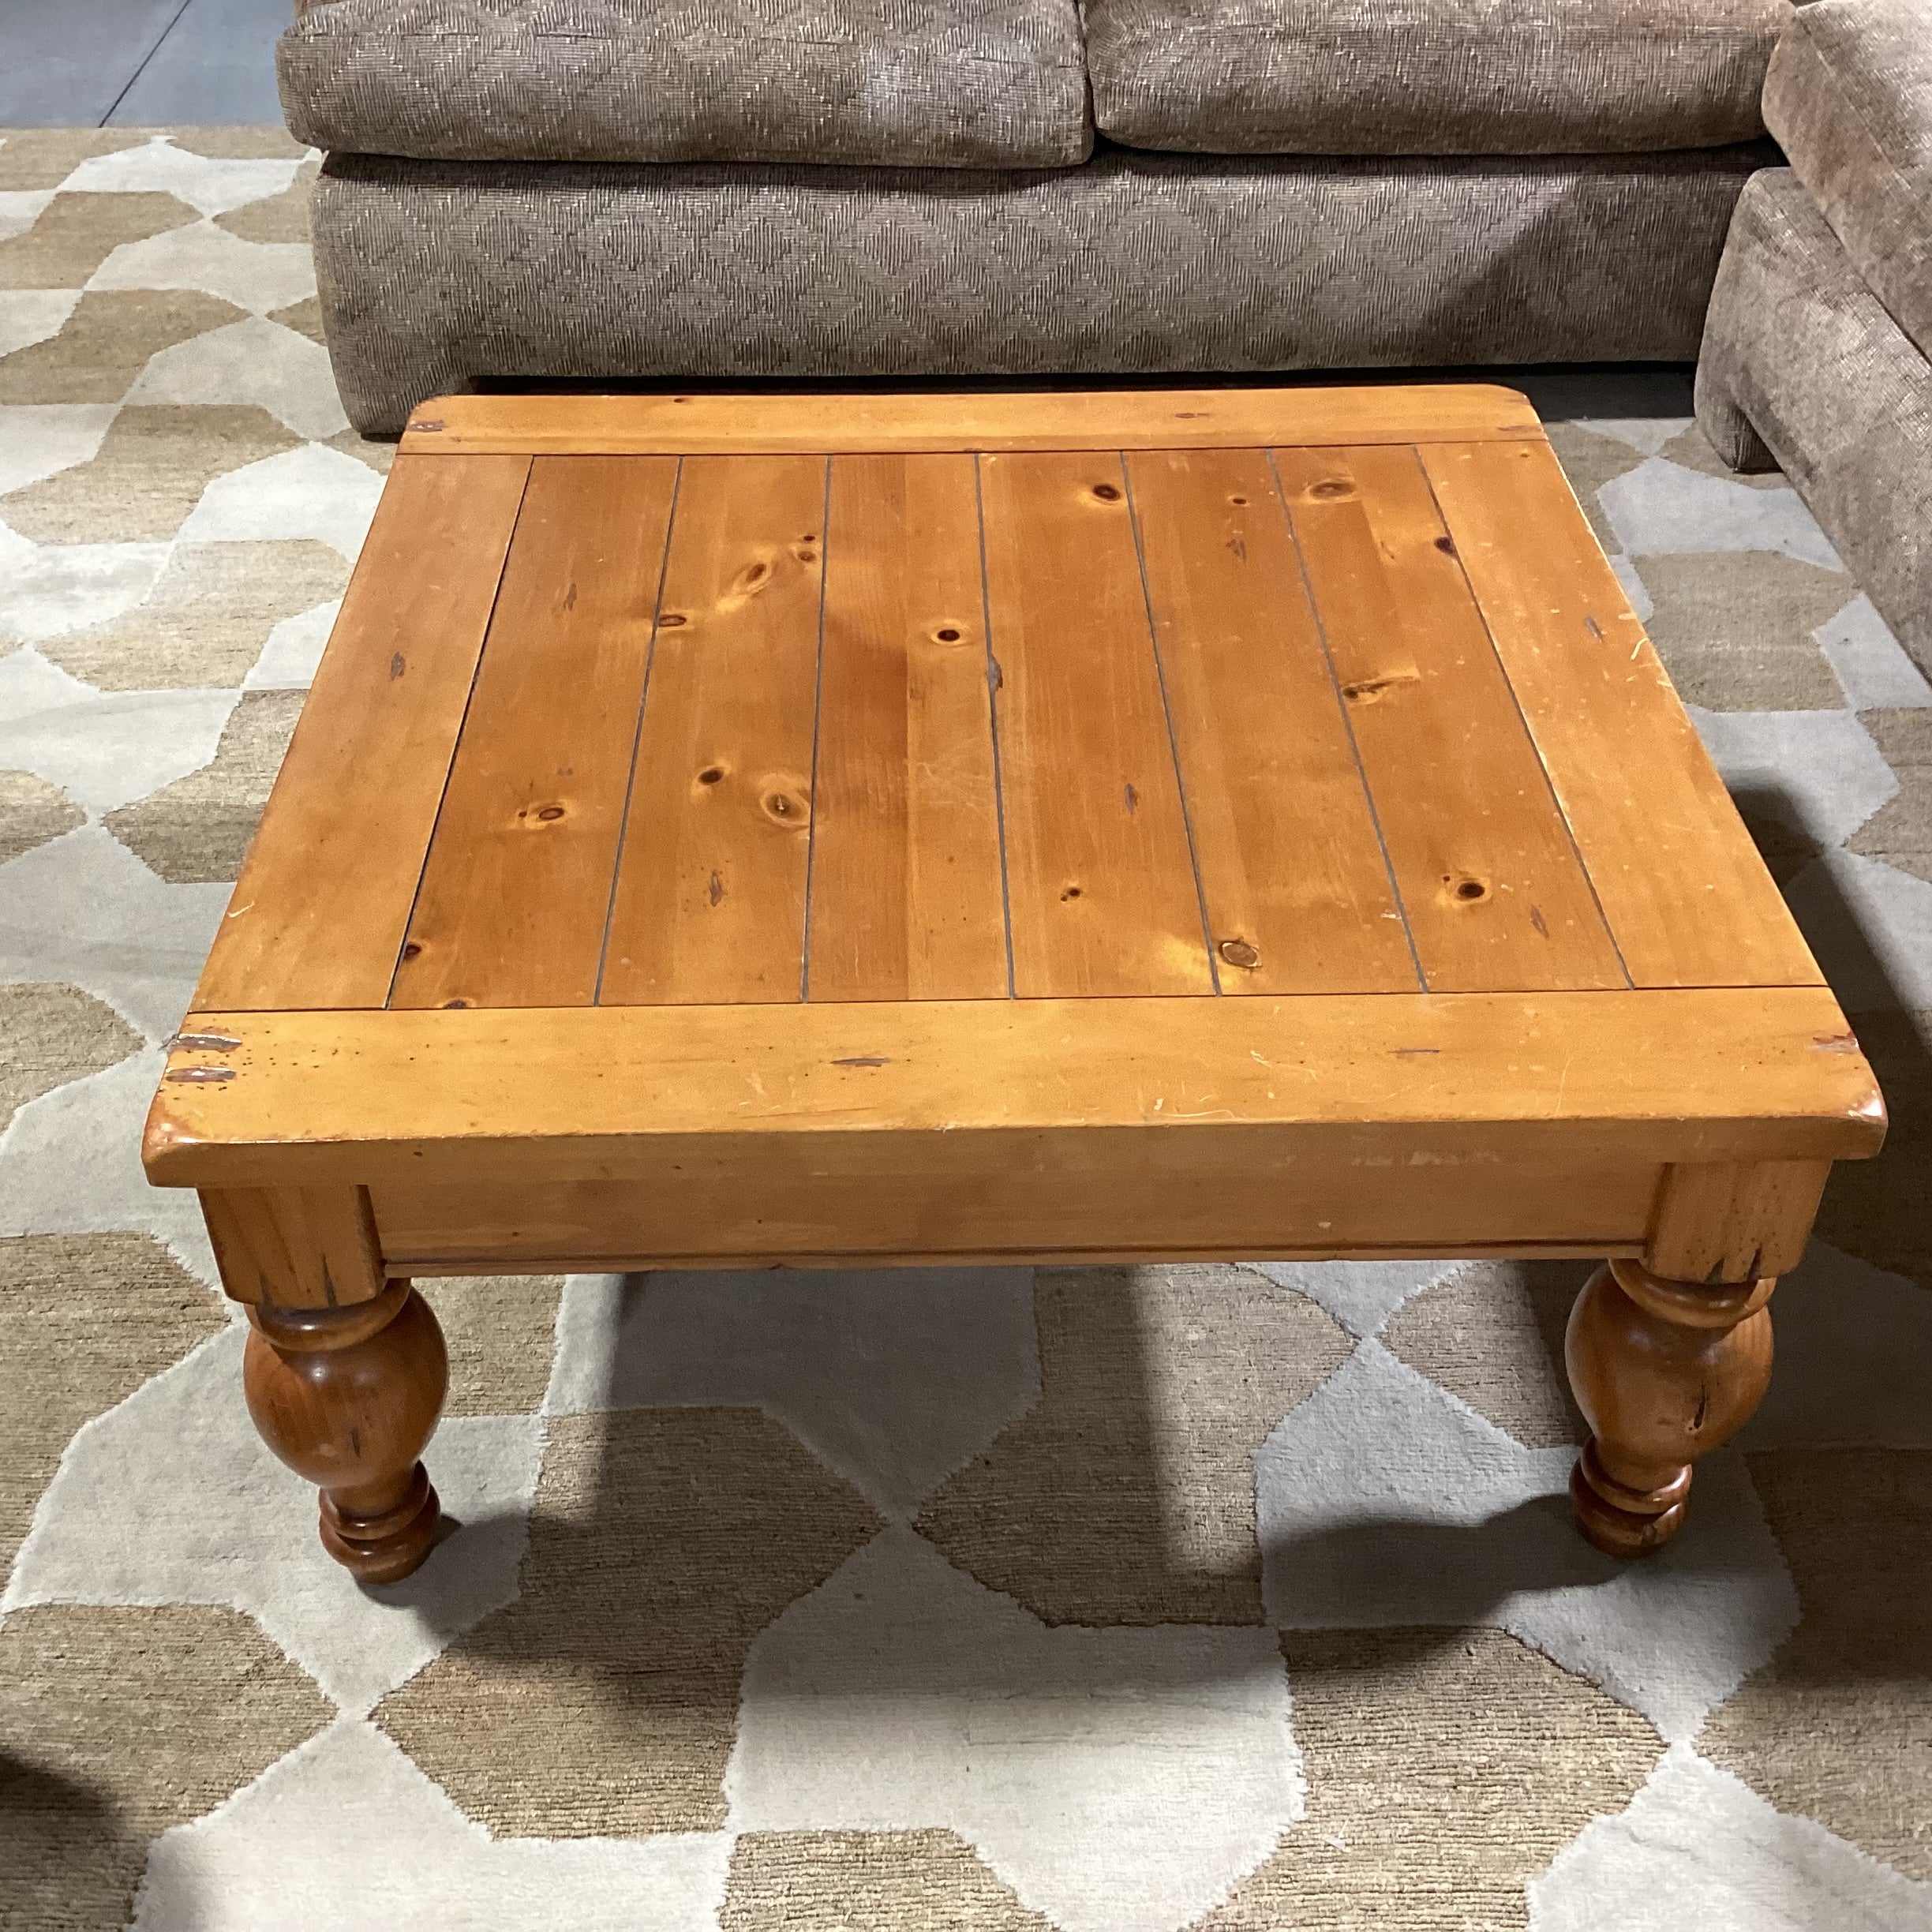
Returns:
<point x="1850" y="99"/>
<point x="1430" y="77"/>
<point x="921" y="83"/>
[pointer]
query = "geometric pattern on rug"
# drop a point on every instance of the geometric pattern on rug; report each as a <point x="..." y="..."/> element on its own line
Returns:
<point x="1103" y="1599"/>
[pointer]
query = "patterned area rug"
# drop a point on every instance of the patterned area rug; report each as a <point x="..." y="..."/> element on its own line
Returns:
<point x="1102" y="1600"/>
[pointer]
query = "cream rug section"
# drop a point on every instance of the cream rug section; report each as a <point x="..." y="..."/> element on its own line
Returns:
<point x="965" y="1601"/>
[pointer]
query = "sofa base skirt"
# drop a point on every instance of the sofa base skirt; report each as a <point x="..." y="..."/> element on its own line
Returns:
<point x="1802" y="365"/>
<point x="440" y="276"/>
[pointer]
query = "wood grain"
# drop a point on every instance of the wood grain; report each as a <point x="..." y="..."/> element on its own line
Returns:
<point x="318" y="917"/>
<point x="1298" y="894"/>
<point x="1023" y="1198"/>
<point x="296" y="1246"/>
<point x="1684" y="889"/>
<point x="1650" y="1077"/>
<point x="907" y="901"/>
<point x="1494" y="894"/>
<point x="1100" y="879"/>
<point x="1090" y="419"/>
<point x="1725" y="1222"/>
<point x="709" y="903"/>
<point x="516" y="891"/>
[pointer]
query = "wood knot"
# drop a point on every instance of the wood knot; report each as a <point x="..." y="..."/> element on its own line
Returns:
<point x="1446" y="546"/>
<point x="672" y="620"/>
<point x="549" y="814"/>
<point x="1239" y="953"/>
<point x="947" y="634"/>
<point x="1107" y="493"/>
<point x="413" y="950"/>
<point x="1469" y="890"/>
<point x="1073" y="892"/>
<point x="711" y="775"/>
<point x="783" y="809"/>
<point x="457" y="1005"/>
<point x="1239" y="502"/>
<point x="1332" y="487"/>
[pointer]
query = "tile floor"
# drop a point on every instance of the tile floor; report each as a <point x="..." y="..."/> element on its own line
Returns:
<point x="138" y="63"/>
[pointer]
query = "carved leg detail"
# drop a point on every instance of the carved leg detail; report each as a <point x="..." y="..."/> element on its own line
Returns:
<point x="1662" y="1372"/>
<point x="349" y="1397"/>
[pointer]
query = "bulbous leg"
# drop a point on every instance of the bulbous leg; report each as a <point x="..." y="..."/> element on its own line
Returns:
<point x="1663" y="1371"/>
<point x="349" y="1397"/>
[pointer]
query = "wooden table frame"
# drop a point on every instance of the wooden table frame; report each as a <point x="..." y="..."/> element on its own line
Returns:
<point x="1672" y="1101"/>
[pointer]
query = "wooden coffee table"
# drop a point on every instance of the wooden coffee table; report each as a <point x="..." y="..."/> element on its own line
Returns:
<point x="832" y="830"/>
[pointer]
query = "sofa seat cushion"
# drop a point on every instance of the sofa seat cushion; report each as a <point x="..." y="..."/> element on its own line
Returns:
<point x="919" y="83"/>
<point x="1850" y="99"/>
<point x="1430" y="77"/>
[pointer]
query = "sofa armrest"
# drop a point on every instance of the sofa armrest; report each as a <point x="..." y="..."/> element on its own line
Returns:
<point x="1849" y="98"/>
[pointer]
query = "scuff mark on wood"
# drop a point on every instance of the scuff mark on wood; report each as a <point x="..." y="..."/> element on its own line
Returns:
<point x="1593" y="627"/>
<point x="1366" y="690"/>
<point x="187" y="1075"/>
<point x="204" y="1043"/>
<point x="1133" y="799"/>
<point x="1836" y="1043"/>
<point x="1403" y="1052"/>
<point x="397" y="666"/>
<point x="1538" y="921"/>
<point x="864" y="1060"/>
<point x="716" y="890"/>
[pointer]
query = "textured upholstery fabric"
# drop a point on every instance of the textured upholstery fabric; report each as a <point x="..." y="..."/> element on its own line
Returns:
<point x="921" y="83"/>
<point x="1850" y="99"/>
<point x="1430" y="77"/>
<point x="1801" y="357"/>
<point x="434" y="275"/>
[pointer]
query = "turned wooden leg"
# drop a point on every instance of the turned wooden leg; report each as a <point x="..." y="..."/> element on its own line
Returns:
<point x="349" y="1397"/>
<point x="1663" y="1371"/>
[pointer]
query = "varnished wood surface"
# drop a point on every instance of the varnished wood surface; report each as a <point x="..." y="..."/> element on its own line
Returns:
<point x="511" y="910"/>
<point x="1685" y="1075"/>
<point x="1677" y="885"/>
<point x="1293" y="880"/>
<point x="1099" y="863"/>
<point x="1494" y="891"/>
<point x="710" y="900"/>
<point x="908" y="898"/>
<point x="1052" y="419"/>
<point x="1139" y="789"/>
<point x="318" y="917"/>
<point x="1015" y="723"/>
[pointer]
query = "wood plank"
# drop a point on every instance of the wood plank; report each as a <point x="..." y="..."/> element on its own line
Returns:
<point x="318" y="916"/>
<point x="1682" y="885"/>
<point x="1021" y="1198"/>
<point x="1496" y="896"/>
<point x="1654" y="1076"/>
<point x="1100" y="880"/>
<point x="1296" y="885"/>
<point x="907" y="901"/>
<point x="1070" y="419"/>
<point x="517" y="889"/>
<point x="710" y="898"/>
